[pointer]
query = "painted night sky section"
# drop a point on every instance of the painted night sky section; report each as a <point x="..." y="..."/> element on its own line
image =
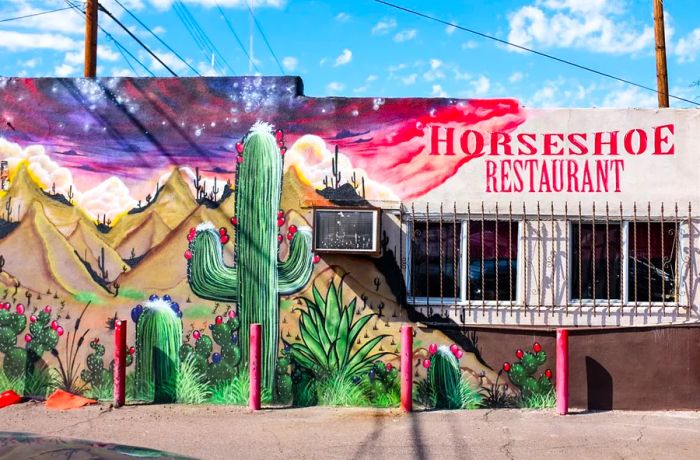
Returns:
<point x="140" y="129"/>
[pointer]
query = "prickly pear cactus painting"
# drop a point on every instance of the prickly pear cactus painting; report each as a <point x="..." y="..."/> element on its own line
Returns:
<point x="259" y="277"/>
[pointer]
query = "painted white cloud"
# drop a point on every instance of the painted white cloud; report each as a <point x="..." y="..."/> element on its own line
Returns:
<point x="290" y="63"/>
<point x="384" y="26"/>
<point x="344" y="58"/>
<point x="405" y="35"/>
<point x="109" y="197"/>
<point x="599" y="26"/>
<point x="312" y="159"/>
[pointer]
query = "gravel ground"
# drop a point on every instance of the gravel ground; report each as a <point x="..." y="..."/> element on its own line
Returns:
<point x="217" y="432"/>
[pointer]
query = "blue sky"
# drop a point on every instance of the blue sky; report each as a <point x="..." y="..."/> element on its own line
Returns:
<point x="363" y="48"/>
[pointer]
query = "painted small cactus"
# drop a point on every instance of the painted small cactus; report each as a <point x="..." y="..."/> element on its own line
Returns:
<point x="95" y="374"/>
<point x="218" y="366"/>
<point x="158" y="339"/>
<point x="522" y="372"/>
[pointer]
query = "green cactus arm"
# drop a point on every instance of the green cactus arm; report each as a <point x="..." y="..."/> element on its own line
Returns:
<point x="209" y="277"/>
<point x="296" y="271"/>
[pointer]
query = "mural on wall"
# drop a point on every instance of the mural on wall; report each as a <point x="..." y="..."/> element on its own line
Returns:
<point x="185" y="205"/>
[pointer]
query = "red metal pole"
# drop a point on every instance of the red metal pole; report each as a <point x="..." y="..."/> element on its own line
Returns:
<point x="255" y="366"/>
<point x="562" y="371"/>
<point x="407" y="368"/>
<point x="119" y="363"/>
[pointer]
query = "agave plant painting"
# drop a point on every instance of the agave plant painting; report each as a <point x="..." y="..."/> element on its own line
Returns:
<point x="328" y="333"/>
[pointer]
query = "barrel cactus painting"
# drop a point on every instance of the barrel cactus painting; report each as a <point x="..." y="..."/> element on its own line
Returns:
<point x="259" y="277"/>
<point x="158" y="340"/>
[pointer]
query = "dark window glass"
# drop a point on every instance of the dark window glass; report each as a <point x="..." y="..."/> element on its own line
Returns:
<point x="652" y="262"/>
<point x="595" y="271"/>
<point x="426" y="263"/>
<point x="492" y="270"/>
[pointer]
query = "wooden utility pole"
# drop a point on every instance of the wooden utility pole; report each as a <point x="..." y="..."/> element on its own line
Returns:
<point x="660" y="36"/>
<point x="91" y="38"/>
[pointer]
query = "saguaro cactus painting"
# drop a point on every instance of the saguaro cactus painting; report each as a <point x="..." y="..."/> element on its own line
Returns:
<point x="259" y="277"/>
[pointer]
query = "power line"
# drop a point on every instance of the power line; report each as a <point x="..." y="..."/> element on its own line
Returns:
<point x="35" y="14"/>
<point x="267" y="43"/>
<point x="157" y="37"/>
<point x="202" y="34"/>
<point x="143" y="45"/>
<point x="240" y="43"/>
<point x="120" y="47"/>
<point x="128" y="62"/>
<point x="524" y="48"/>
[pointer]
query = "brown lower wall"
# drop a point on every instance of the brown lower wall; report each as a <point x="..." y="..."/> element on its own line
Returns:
<point x="637" y="369"/>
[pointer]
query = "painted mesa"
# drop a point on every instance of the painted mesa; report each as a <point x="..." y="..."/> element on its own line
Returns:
<point x="195" y="207"/>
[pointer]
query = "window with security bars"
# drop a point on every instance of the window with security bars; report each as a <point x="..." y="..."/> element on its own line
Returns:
<point x="435" y="259"/>
<point x="596" y="261"/>
<point x="652" y="264"/>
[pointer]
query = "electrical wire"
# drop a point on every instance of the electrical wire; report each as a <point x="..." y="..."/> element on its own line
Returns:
<point x="207" y="52"/>
<point x="238" y="40"/>
<point x="157" y="37"/>
<point x="202" y="34"/>
<point x="131" y="34"/>
<point x="530" y="50"/>
<point x="267" y="43"/>
<point x="35" y="14"/>
<point x="126" y="58"/>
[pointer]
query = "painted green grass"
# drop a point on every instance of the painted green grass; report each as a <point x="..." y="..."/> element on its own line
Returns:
<point x="539" y="401"/>
<point x="192" y="386"/>
<point x="40" y="383"/>
<point x="133" y="294"/>
<point x="236" y="391"/>
<point x="339" y="390"/>
<point x="193" y="312"/>
<point x="86" y="296"/>
<point x="426" y="395"/>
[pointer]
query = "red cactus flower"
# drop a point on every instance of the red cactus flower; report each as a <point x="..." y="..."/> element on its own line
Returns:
<point x="27" y="338"/>
<point x="283" y="150"/>
<point x="279" y="135"/>
<point x="506" y="366"/>
<point x="47" y="309"/>
<point x="537" y="347"/>
<point x="280" y="221"/>
<point x="219" y="320"/>
<point x="59" y="331"/>
<point x="191" y="236"/>
<point x="292" y="229"/>
<point x="19" y="308"/>
<point x="32" y="318"/>
<point x="433" y="348"/>
<point x="224" y="239"/>
<point x="280" y="214"/>
<point x="223" y="231"/>
<point x="459" y="354"/>
<point x="548" y="373"/>
<point x="54" y="325"/>
<point x="280" y="238"/>
<point x="389" y="367"/>
<point x="232" y="313"/>
<point x="196" y="335"/>
<point x="519" y="353"/>
<point x="239" y="159"/>
<point x="132" y="350"/>
<point x="188" y="254"/>
<point x="290" y="236"/>
<point x="239" y="147"/>
<point x="316" y="259"/>
<point x="426" y="363"/>
<point x="454" y="348"/>
<point x="280" y="143"/>
<point x="234" y="221"/>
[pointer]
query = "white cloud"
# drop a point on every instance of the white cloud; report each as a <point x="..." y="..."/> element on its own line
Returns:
<point x="371" y="78"/>
<point x="342" y="17"/>
<point x="469" y="45"/>
<point x="65" y="70"/>
<point x="29" y="63"/>
<point x="630" y="97"/>
<point x="410" y="79"/>
<point x="169" y="59"/>
<point x="290" y="63"/>
<point x="344" y="58"/>
<point x="334" y="87"/>
<point x="360" y="89"/>
<point x="384" y="26"/>
<point x="438" y="91"/>
<point x="165" y="4"/>
<point x="449" y="30"/>
<point x="481" y="85"/>
<point x="405" y="35"/>
<point x="21" y="41"/>
<point x="515" y="77"/>
<point x="596" y="25"/>
<point x="688" y="47"/>
<point x="435" y="72"/>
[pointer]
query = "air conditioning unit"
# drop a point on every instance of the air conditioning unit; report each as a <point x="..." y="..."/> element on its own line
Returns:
<point x="347" y="230"/>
